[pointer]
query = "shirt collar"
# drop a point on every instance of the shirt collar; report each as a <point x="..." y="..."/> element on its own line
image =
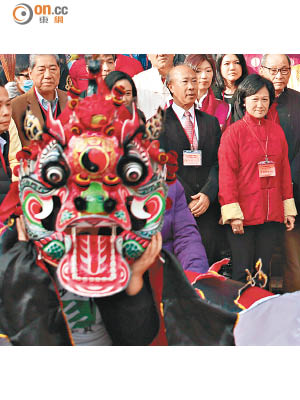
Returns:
<point x="200" y="101"/>
<point x="254" y="121"/>
<point x="2" y="143"/>
<point x="180" y="111"/>
<point x="45" y="102"/>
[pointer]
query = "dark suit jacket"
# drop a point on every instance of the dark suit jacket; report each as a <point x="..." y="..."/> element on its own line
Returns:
<point x="19" y="106"/>
<point x="288" y="108"/>
<point x="204" y="178"/>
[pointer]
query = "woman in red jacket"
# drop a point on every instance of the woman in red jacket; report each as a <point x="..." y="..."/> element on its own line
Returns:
<point x="255" y="187"/>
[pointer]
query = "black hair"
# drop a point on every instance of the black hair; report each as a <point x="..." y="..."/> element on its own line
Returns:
<point x="219" y="82"/>
<point x="179" y="59"/>
<point x="22" y="63"/>
<point x="251" y="85"/>
<point x="2" y="75"/>
<point x="116" y="76"/>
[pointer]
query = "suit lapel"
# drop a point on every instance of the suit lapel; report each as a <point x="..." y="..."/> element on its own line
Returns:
<point x="178" y="134"/>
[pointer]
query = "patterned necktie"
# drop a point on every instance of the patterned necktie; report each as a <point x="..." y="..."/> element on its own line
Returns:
<point x="189" y="130"/>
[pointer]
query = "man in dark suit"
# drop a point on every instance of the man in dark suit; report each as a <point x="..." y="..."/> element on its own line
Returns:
<point x="44" y="71"/>
<point x="285" y="111"/>
<point x="195" y="136"/>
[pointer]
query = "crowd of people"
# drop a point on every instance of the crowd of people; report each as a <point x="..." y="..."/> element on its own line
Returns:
<point x="236" y="134"/>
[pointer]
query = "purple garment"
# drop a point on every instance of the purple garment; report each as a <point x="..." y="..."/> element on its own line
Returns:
<point x="180" y="233"/>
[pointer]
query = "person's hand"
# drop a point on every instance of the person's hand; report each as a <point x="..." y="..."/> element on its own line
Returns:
<point x="237" y="226"/>
<point x="142" y="264"/>
<point x="22" y="234"/>
<point x="12" y="89"/>
<point x="289" y="222"/>
<point x="199" y="204"/>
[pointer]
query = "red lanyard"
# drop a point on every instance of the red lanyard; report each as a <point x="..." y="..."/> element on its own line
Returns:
<point x="3" y="162"/>
<point x="49" y="105"/>
<point x="259" y="141"/>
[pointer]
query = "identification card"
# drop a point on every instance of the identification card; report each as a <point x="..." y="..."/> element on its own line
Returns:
<point x="192" y="157"/>
<point x="266" y="169"/>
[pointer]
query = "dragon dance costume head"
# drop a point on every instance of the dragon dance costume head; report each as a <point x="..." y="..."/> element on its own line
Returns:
<point x="92" y="187"/>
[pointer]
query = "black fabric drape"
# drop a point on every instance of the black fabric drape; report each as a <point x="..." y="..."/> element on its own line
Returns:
<point x="30" y="313"/>
<point x="190" y="320"/>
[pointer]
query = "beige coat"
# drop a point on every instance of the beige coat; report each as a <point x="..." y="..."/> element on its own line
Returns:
<point x="14" y="147"/>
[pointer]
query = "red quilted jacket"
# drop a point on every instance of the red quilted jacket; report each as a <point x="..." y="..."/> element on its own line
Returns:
<point x="242" y="147"/>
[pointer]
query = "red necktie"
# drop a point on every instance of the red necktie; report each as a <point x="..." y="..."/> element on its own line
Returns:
<point x="189" y="130"/>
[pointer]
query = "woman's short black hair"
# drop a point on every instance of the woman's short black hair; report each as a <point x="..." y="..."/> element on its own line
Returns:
<point x="219" y="82"/>
<point x="251" y="85"/>
<point x="116" y="76"/>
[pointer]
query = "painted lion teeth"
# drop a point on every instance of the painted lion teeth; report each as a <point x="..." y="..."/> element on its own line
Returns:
<point x="47" y="208"/>
<point x="137" y="209"/>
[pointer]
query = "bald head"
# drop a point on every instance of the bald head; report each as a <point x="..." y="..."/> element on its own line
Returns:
<point x="265" y="57"/>
<point x="183" y="85"/>
<point x="276" y="68"/>
<point x="179" y="70"/>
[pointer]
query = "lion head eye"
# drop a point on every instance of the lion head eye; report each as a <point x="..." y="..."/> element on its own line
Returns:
<point x="55" y="174"/>
<point x="132" y="172"/>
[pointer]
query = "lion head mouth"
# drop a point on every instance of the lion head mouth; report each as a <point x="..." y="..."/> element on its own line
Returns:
<point x="94" y="266"/>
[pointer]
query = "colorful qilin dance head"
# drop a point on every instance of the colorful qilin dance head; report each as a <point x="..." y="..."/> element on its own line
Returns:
<point x="93" y="190"/>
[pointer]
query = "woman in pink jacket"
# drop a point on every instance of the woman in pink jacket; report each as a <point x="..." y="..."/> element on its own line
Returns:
<point x="255" y="187"/>
<point x="204" y="66"/>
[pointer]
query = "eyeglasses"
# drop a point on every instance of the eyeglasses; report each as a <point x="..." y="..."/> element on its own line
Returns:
<point x="274" y="71"/>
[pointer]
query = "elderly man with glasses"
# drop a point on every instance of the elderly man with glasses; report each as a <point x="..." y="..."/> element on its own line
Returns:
<point x="286" y="111"/>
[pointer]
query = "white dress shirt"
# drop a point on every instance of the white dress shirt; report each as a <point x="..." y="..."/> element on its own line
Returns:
<point x="180" y="114"/>
<point x="2" y="143"/>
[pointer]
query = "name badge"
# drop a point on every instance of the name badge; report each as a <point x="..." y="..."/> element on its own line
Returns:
<point x="266" y="169"/>
<point x="192" y="157"/>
